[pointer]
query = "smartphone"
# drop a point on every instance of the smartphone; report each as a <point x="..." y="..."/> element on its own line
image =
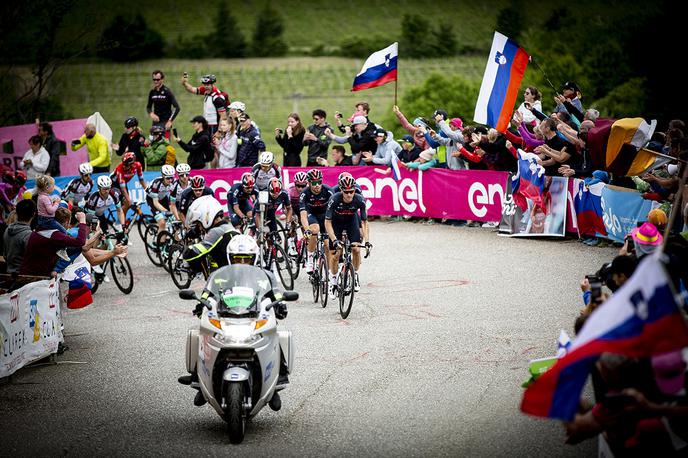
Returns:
<point x="185" y="74"/>
<point x="174" y="132"/>
<point x="595" y="287"/>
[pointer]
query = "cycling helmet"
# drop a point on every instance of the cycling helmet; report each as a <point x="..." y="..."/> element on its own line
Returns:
<point x="128" y="158"/>
<point x="131" y="122"/>
<point x="86" y="168"/>
<point x="198" y="182"/>
<point x="242" y="249"/>
<point x="314" y="175"/>
<point x="204" y="210"/>
<point x="301" y="178"/>
<point x="104" y="181"/>
<point x="347" y="184"/>
<point x="157" y="130"/>
<point x="266" y="158"/>
<point x="342" y="175"/>
<point x="167" y="171"/>
<point x="20" y="177"/>
<point x="183" y="168"/>
<point x="248" y="180"/>
<point x="275" y="185"/>
<point x="208" y="79"/>
<point x="241" y="106"/>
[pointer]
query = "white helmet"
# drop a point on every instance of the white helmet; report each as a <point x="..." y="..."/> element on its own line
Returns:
<point x="104" y="181"/>
<point x="242" y="249"/>
<point x="204" y="210"/>
<point x="167" y="171"/>
<point x="266" y="158"/>
<point x="241" y="106"/>
<point x="86" y="168"/>
<point x="183" y="168"/>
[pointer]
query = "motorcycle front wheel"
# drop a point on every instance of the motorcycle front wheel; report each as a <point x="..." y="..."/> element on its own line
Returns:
<point x="234" y="414"/>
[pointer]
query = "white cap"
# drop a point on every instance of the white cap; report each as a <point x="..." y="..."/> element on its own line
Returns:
<point x="359" y="120"/>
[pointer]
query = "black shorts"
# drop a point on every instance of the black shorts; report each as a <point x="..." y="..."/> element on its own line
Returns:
<point x="154" y="211"/>
<point x="352" y="228"/>
<point x="319" y="220"/>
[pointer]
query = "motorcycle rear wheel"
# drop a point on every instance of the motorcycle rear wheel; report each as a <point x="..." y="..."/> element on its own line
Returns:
<point x="234" y="415"/>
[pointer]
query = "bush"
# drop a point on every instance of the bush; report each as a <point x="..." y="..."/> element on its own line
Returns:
<point x="624" y="101"/>
<point x="130" y="39"/>
<point x="362" y="47"/>
<point x="267" y="37"/>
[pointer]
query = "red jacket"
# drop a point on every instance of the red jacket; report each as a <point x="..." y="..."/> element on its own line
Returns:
<point x="41" y="252"/>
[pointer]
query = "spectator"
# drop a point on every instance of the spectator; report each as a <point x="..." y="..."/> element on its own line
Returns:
<point x="555" y="151"/>
<point x="42" y="246"/>
<point x="361" y="139"/>
<point x="339" y="157"/>
<point x="47" y="204"/>
<point x="449" y="138"/>
<point x="591" y="114"/>
<point x="17" y="235"/>
<point x="291" y="140"/>
<point x="52" y="146"/>
<point x="97" y="146"/>
<point x="572" y="93"/>
<point x="249" y="141"/>
<point x="214" y="101"/>
<point x="409" y="151"/>
<point x="225" y="143"/>
<point x="236" y="108"/>
<point x="658" y="218"/>
<point x="199" y="147"/>
<point x="131" y="141"/>
<point x="532" y="96"/>
<point x="426" y="160"/>
<point x="154" y="148"/>
<point x="413" y="129"/>
<point x="641" y="241"/>
<point x="360" y="109"/>
<point x="386" y="147"/>
<point x="315" y="138"/>
<point x="162" y="106"/>
<point x="36" y="159"/>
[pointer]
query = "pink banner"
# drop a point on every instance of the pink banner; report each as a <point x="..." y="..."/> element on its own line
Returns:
<point x="437" y="193"/>
<point x="19" y="138"/>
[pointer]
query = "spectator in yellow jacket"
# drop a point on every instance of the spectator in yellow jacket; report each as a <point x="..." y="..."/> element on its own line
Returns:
<point x="98" y="150"/>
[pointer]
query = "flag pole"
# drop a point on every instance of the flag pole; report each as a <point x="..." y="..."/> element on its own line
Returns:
<point x="544" y="74"/>
<point x="395" y="88"/>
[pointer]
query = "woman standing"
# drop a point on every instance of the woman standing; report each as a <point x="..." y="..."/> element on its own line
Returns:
<point x="225" y="143"/>
<point x="291" y="140"/>
<point x="532" y="96"/>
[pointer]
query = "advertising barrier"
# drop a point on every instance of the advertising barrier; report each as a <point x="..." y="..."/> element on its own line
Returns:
<point x="622" y="210"/>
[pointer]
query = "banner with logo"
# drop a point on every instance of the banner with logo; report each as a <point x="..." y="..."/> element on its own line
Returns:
<point x="622" y="209"/>
<point x="437" y="193"/>
<point x="30" y="325"/>
<point x="540" y="214"/>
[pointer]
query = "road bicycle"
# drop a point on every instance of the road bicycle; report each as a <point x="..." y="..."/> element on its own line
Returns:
<point x="120" y="268"/>
<point x="319" y="278"/>
<point x="346" y="276"/>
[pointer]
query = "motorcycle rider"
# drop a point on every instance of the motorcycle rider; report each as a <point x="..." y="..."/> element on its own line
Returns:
<point x="207" y="212"/>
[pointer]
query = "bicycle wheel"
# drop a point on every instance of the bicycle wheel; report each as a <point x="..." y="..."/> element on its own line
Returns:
<point x="95" y="281"/>
<point x="281" y="234"/>
<point x="164" y="240"/>
<point x="181" y="276"/>
<point x="314" y="278"/>
<point x="142" y="224"/>
<point x="284" y="268"/>
<point x="323" y="275"/>
<point x="122" y="274"/>
<point x="346" y="289"/>
<point x="150" y="241"/>
<point x="295" y="264"/>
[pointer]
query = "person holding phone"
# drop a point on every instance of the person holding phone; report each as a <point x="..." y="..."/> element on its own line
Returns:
<point x="162" y="106"/>
<point x="291" y="140"/>
<point x="531" y="99"/>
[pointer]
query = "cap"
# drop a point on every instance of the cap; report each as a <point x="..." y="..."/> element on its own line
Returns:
<point x="359" y="120"/>
<point x="456" y="122"/>
<point x="380" y="132"/>
<point x="427" y="155"/>
<point x="570" y="85"/>
<point x="244" y="116"/>
<point x="670" y="372"/>
<point x="407" y="139"/>
<point x="200" y="119"/>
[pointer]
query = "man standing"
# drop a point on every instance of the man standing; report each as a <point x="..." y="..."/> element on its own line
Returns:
<point x="162" y="106"/>
<point x="52" y="146"/>
<point x="97" y="146"/>
<point x="214" y="101"/>
<point x="249" y="141"/>
<point x="315" y="138"/>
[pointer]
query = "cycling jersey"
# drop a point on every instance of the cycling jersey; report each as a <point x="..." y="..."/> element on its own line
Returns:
<point x="161" y="103"/>
<point x="282" y="200"/>
<point x="188" y="197"/>
<point x="157" y="189"/>
<point x="263" y="177"/>
<point x="177" y="190"/>
<point x="345" y="216"/>
<point x="121" y="176"/>
<point x="214" y="103"/>
<point x="238" y="196"/>
<point x="294" y="195"/>
<point x="77" y="190"/>
<point x="315" y="204"/>
<point x="96" y="204"/>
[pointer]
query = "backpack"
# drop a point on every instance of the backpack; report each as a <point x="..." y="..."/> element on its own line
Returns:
<point x="171" y="156"/>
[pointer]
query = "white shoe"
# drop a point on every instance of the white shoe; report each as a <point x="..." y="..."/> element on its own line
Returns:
<point x="332" y="291"/>
<point x="357" y="284"/>
<point x="106" y="279"/>
<point x="98" y="269"/>
<point x="309" y="265"/>
<point x="491" y="224"/>
<point x="63" y="254"/>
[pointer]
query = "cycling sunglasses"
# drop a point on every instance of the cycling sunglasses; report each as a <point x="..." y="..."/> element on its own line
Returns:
<point x="349" y="192"/>
<point x="299" y="185"/>
<point x="182" y="175"/>
<point x="315" y="183"/>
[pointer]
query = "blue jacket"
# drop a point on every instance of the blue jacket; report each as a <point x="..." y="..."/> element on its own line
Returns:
<point x="249" y="145"/>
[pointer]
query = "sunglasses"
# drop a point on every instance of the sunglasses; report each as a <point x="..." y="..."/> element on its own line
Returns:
<point x="299" y="185"/>
<point x="182" y="175"/>
<point x="157" y="79"/>
<point x="349" y="192"/>
<point x="316" y="183"/>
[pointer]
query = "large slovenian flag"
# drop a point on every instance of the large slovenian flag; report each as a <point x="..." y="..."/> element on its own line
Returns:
<point x="588" y="204"/>
<point x="380" y="68"/>
<point x="640" y="320"/>
<point x="529" y="182"/>
<point x="503" y="74"/>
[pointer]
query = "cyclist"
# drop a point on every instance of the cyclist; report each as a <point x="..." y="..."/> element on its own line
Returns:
<point x="294" y="190"/>
<point x="180" y="185"/>
<point x="239" y="199"/>
<point x="277" y="197"/>
<point x="312" y="206"/>
<point x="79" y="188"/>
<point x="196" y="189"/>
<point x="265" y="170"/>
<point x="158" y="195"/>
<point x="335" y="189"/>
<point x="123" y="174"/>
<point x="208" y="213"/>
<point x="342" y="215"/>
<point x="102" y="199"/>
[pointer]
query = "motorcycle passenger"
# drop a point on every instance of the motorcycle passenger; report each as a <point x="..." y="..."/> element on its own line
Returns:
<point x="180" y="185"/>
<point x="158" y="195"/>
<point x="277" y="197"/>
<point x="239" y="199"/>
<point x="207" y="212"/>
<point x="312" y="206"/>
<point x="196" y="189"/>
<point x="99" y="201"/>
<point x="123" y="174"/>
<point x="79" y="188"/>
<point x="265" y="170"/>
<point x="342" y="215"/>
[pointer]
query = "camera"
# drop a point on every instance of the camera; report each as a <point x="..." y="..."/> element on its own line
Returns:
<point x="595" y="287"/>
<point x="338" y="115"/>
<point x="174" y="132"/>
<point x="185" y="74"/>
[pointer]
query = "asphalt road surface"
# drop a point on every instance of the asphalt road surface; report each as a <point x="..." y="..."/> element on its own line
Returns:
<point x="429" y="363"/>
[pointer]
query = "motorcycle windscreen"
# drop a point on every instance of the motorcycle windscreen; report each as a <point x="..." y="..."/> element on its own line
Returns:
<point x="238" y="289"/>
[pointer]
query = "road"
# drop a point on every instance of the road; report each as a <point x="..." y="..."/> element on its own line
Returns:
<point x="429" y="363"/>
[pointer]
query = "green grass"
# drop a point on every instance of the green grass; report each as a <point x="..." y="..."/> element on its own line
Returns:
<point x="271" y="88"/>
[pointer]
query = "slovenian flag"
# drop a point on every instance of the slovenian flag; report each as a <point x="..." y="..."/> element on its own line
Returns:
<point x="380" y="68"/>
<point x="395" y="167"/>
<point x="505" y="68"/>
<point x="529" y="182"/>
<point x="640" y="320"/>
<point x="588" y="204"/>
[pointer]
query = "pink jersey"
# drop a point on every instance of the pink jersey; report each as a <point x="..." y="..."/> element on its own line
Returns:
<point x="294" y="195"/>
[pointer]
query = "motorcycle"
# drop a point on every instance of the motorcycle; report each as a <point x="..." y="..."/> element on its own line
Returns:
<point x="237" y="354"/>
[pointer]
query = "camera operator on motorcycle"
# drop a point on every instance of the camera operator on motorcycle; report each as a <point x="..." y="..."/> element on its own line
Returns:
<point x="343" y="215"/>
<point x="312" y="206"/>
<point x="208" y="213"/>
<point x="158" y="195"/>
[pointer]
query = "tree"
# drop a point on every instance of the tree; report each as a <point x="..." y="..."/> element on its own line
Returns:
<point x="267" y="37"/>
<point x="416" y="39"/>
<point x="129" y="38"/>
<point x="510" y="21"/>
<point x="227" y="40"/>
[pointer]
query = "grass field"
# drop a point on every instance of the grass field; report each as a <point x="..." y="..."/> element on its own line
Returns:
<point x="271" y="88"/>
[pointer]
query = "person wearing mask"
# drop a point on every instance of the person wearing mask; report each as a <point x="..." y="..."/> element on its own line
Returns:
<point x="52" y="146"/>
<point x="131" y="141"/>
<point x="316" y="139"/>
<point x="249" y="141"/>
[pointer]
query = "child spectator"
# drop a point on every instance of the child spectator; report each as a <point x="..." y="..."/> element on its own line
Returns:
<point x="47" y="204"/>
